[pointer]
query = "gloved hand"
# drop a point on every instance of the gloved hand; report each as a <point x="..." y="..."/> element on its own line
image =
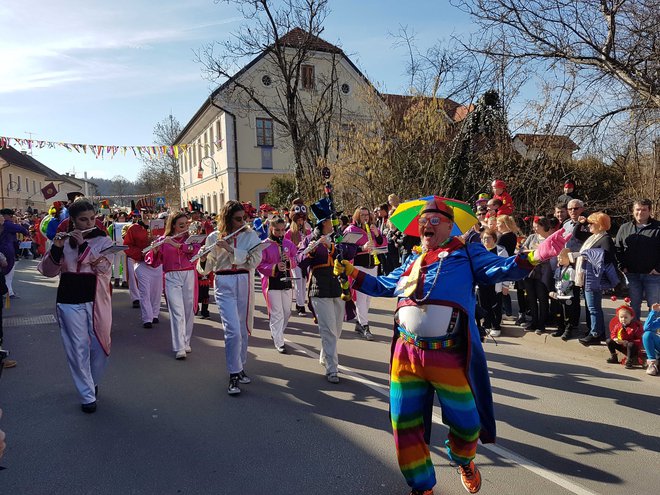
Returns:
<point x="552" y="245"/>
<point x="343" y="266"/>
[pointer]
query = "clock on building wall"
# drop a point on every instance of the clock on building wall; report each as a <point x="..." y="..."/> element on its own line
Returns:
<point x="266" y="80"/>
<point x="345" y="88"/>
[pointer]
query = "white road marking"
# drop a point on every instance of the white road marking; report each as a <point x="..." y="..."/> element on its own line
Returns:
<point x="496" y="449"/>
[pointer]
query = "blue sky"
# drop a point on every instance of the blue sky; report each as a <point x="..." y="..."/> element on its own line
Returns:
<point x="106" y="72"/>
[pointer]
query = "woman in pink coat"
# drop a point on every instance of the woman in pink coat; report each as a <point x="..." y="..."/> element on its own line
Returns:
<point x="180" y="280"/>
<point x="84" y="309"/>
<point x="277" y="262"/>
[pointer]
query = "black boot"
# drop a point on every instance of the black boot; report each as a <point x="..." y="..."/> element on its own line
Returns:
<point x="558" y="333"/>
<point x="568" y="333"/>
<point x="205" y="311"/>
<point x="359" y="328"/>
<point x="367" y="333"/>
<point x="613" y="359"/>
<point x="300" y="310"/>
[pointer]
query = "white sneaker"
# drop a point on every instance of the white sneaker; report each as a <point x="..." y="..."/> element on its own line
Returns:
<point x="188" y="349"/>
<point x="495" y="333"/>
<point x="509" y="317"/>
<point x="181" y="354"/>
<point x="652" y="368"/>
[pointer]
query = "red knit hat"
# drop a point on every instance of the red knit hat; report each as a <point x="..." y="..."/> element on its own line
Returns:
<point x="499" y="184"/>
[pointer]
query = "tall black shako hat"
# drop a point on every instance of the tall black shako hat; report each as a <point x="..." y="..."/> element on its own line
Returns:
<point x="322" y="210"/>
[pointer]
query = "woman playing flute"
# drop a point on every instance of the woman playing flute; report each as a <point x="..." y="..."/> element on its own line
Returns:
<point x="233" y="261"/>
<point x="173" y="253"/>
<point x="84" y="309"/>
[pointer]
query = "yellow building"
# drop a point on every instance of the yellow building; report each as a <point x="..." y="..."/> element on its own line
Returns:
<point x="235" y="148"/>
<point x="22" y="177"/>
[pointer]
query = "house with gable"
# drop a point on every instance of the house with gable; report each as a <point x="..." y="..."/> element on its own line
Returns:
<point x="553" y="146"/>
<point x="22" y="177"/>
<point x="234" y="148"/>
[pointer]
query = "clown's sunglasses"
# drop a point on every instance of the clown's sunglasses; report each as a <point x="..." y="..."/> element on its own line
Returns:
<point x="433" y="220"/>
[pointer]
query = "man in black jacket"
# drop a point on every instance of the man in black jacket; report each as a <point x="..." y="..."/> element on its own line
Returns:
<point x="638" y="255"/>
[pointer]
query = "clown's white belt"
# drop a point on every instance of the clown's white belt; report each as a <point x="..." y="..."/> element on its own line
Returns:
<point x="428" y="320"/>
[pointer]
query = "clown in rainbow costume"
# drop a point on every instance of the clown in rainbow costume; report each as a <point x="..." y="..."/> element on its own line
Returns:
<point x="437" y="344"/>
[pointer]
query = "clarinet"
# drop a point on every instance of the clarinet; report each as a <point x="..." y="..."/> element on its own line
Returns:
<point x="374" y="254"/>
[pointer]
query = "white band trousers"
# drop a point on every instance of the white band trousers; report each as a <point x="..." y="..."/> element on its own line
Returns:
<point x="232" y="296"/>
<point x="180" y="292"/>
<point x="150" y="286"/>
<point x="84" y="353"/>
<point x="330" y="315"/>
<point x="279" y="302"/>
<point x="363" y="301"/>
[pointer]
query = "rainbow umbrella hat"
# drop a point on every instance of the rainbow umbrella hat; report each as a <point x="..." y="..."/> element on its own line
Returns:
<point x="406" y="216"/>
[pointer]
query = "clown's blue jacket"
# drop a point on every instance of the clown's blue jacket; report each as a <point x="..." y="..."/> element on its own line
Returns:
<point x="465" y="266"/>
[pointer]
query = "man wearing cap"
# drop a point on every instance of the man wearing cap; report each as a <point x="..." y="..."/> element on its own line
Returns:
<point x="437" y="344"/>
<point x="569" y="187"/>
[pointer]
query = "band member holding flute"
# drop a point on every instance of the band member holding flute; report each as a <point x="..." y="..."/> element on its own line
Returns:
<point x="233" y="258"/>
<point x="367" y="261"/>
<point x="277" y="262"/>
<point x="84" y="309"/>
<point x="173" y="253"/>
<point x="298" y="231"/>
<point x="149" y="278"/>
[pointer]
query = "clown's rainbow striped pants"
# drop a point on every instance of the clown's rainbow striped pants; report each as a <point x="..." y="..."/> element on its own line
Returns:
<point x="414" y="371"/>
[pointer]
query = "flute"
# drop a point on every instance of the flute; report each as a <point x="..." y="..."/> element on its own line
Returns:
<point x="156" y="244"/>
<point x="370" y="239"/>
<point x="206" y="250"/>
<point x="314" y="244"/>
<point x="62" y="235"/>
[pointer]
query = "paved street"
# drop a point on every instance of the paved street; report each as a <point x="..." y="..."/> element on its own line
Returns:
<point x="568" y="422"/>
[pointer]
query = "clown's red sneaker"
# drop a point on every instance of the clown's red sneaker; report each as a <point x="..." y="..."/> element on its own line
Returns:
<point x="422" y="492"/>
<point x="470" y="477"/>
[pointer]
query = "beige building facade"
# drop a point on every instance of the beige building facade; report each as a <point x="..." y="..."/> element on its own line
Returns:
<point x="235" y="148"/>
<point x="22" y="178"/>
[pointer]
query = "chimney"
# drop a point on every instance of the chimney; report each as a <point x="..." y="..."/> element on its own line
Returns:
<point x="85" y="174"/>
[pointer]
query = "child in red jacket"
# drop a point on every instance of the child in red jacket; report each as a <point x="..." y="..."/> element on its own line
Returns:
<point x="625" y="336"/>
<point x="500" y="193"/>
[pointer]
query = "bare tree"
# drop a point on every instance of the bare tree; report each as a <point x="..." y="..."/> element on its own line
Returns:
<point x="160" y="174"/>
<point x="120" y="187"/>
<point x="288" y="36"/>
<point x="607" y="43"/>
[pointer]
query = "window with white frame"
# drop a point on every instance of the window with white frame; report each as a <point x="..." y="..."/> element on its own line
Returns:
<point x="264" y="132"/>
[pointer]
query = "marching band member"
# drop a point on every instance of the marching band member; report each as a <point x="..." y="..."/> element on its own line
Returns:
<point x="204" y="282"/>
<point x="149" y="279"/>
<point x="298" y="231"/>
<point x="84" y="308"/>
<point x="180" y="279"/>
<point x="119" y="269"/>
<point x="316" y="253"/>
<point x="133" y="290"/>
<point x="233" y="261"/>
<point x="367" y="261"/>
<point x="277" y="261"/>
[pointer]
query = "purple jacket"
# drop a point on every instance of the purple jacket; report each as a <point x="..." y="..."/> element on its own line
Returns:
<point x="8" y="241"/>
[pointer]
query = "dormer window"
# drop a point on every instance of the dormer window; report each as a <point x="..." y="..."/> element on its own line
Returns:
<point x="307" y="73"/>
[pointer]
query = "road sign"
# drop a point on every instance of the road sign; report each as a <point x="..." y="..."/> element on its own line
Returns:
<point x="160" y="201"/>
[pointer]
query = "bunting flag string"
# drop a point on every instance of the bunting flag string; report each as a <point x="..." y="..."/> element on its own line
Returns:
<point x="102" y="151"/>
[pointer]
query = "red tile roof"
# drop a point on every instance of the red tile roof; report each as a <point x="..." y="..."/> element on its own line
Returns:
<point x="401" y="103"/>
<point x="298" y="37"/>
<point x="550" y="141"/>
